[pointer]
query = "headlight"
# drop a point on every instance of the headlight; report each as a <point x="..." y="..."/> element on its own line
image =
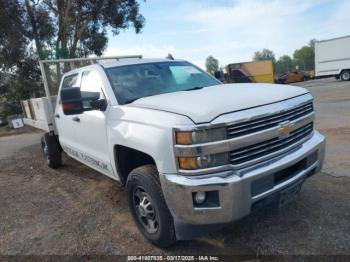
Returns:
<point x="200" y="162"/>
<point x="200" y="136"/>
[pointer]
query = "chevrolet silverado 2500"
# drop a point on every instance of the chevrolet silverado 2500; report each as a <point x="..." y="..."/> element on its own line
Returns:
<point x="194" y="154"/>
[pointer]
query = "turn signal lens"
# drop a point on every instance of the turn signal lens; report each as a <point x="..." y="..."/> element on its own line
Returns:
<point x="183" y="138"/>
<point x="201" y="162"/>
<point x="67" y="106"/>
<point x="187" y="162"/>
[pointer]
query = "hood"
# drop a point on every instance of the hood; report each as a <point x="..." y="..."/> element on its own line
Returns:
<point x="206" y="104"/>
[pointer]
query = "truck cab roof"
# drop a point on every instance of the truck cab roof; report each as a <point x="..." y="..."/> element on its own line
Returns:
<point x="133" y="61"/>
<point x="123" y="62"/>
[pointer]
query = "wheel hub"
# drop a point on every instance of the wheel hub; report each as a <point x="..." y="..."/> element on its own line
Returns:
<point x="145" y="211"/>
<point x="45" y="149"/>
<point x="142" y="211"/>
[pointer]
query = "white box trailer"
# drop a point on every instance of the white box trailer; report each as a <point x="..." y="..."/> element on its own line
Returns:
<point x="332" y="58"/>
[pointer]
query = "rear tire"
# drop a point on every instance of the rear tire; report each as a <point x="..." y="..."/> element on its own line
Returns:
<point x="148" y="207"/>
<point x="345" y="75"/>
<point x="51" y="150"/>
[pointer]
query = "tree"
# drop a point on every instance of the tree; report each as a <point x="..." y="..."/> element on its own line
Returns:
<point x="41" y="29"/>
<point x="22" y="84"/>
<point x="78" y="27"/>
<point x="13" y="40"/>
<point x="211" y="65"/>
<point x="264" y="54"/>
<point x="305" y="56"/>
<point x="284" y="64"/>
<point x="62" y="28"/>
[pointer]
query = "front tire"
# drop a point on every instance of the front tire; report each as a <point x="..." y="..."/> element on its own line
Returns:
<point x="345" y="75"/>
<point x="51" y="150"/>
<point x="148" y="207"/>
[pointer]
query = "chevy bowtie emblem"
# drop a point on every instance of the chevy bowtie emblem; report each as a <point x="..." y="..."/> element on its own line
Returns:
<point x="285" y="129"/>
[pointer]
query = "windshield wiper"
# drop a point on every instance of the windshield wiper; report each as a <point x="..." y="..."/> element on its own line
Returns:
<point x="195" y="88"/>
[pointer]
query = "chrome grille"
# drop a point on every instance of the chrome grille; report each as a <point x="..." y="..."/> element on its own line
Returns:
<point x="269" y="147"/>
<point x="247" y="127"/>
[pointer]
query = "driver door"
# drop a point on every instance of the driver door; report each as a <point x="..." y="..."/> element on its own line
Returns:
<point x="91" y="127"/>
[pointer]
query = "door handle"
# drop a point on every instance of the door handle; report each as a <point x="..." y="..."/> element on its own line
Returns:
<point x="76" y="119"/>
<point x="57" y="116"/>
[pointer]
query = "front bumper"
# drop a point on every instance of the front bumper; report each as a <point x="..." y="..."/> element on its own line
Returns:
<point x="236" y="198"/>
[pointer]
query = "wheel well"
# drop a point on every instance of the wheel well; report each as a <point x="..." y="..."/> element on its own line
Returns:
<point x="127" y="159"/>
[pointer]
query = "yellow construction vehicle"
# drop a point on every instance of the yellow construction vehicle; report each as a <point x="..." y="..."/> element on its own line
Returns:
<point x="247" y="72"/>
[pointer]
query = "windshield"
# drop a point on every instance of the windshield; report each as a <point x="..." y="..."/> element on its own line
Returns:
<point x="132" y="82"/>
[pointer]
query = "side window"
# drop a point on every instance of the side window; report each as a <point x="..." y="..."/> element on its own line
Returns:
<point x="70" y="81"/>
<point x="91" y="88"/>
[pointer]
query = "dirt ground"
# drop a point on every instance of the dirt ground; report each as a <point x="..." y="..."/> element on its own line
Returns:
<point x="76" y="211"/>
<point x="7" y="131"/>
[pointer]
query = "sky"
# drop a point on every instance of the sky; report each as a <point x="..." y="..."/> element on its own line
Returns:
<point x="230" y="30"/>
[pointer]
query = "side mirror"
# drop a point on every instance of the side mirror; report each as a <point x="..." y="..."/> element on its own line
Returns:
<point x="71" y="101"/>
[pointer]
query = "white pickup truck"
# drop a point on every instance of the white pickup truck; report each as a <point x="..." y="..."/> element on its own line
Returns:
<point x="194" y="154"/>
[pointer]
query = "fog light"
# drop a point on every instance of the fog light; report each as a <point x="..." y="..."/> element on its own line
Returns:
<point x="199" y="197"/>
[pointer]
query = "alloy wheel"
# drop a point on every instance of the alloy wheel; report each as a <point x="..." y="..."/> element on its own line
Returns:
<point x="145" y="211"/>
